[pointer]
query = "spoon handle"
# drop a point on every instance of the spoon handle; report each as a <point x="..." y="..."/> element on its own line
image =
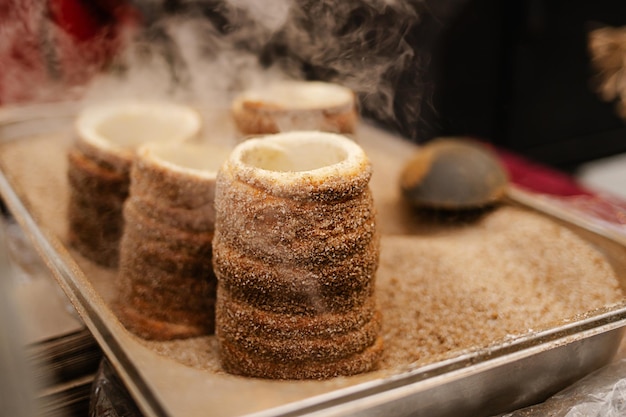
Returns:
<point x="560" y="195"/>
<point x="600" y="213"/>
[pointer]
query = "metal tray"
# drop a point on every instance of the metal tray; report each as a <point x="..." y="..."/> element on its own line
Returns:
<point x="499" y="377"/>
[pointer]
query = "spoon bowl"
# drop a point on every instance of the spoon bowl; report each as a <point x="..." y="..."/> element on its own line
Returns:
<point x="453" y="174"/>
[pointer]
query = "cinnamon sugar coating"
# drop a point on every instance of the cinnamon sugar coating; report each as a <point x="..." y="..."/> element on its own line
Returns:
<point x="335" y="228"/>
<point x="245" y="362"/>
<point x="295" y="106"/>
<point x="97" y="195"/>
<point x="167" y="285"/>
<point x="249" y="320"/>
<point x="92" y="175"/>
<point x="255" y="120"/>
<point x="325" y="336"/>
<point x="334" y="286"/>
<point x="176" y="217"/>
<point x="114" y="162"/>
<point x="160" y="231"/>
<point x="295" y="254"/>
<point x="173" y="189"/>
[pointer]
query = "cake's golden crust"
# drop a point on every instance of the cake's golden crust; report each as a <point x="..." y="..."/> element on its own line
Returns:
<point x="334" y="230"/>
<point x="241" y="362"/>
<point x="154" y="329"/>
<point x="172" y="189"/>
<point x="86" y="174"/>
<point x="176" y="217"/>
<point x="257" y="118"/>
<point x="166" y="282"/>
<point x="97" y="195"/>
<point x="300" y="348"/>
<point x="295" y="254"/>
<point x="252" y="321"/>
<point x="142" y="228"/>
<point x="336" y="286"/>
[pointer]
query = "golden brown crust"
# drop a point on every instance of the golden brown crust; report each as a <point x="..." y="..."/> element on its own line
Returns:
<point x="241" y="362"/>
<point x="144" y="229"/>
<point x="172" y="189"/>
<point x="303" y="349"/>
<point x="146" y="327"/>
<point x="97" y="195"/>
<point x="250" y="320"/>
<point x="295" y="256"/>
<point x="263" y="119"/>
<point x="334" y="229"/>
<point x="167" y="286"/>
<point x="200" y="219"/>
<point x="85" y="173"/>
<point x="336" y="286"/>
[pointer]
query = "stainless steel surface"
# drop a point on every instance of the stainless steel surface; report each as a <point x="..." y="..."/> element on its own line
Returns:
<point x="482" y="386"/>
<point x="495" y="379"/>
<point x="17" y="382"/>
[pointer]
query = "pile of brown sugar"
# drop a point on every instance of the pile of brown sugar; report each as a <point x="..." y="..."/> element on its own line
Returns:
<point x="467" y="286"/>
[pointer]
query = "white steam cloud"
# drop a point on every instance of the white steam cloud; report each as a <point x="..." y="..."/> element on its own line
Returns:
<point x="206" y="50"/>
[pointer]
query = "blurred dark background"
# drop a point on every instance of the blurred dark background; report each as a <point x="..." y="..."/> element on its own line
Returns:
<point x="518" y="74"/>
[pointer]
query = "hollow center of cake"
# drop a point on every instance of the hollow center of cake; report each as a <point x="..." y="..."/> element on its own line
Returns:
<point x="297" y="157"/>
<point x="130" y="130"/>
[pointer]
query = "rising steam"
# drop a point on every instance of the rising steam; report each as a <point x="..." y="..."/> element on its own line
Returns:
<point x="208" y="50"/>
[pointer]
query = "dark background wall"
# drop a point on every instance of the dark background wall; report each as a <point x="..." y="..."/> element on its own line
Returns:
<point x="518" y="74"/>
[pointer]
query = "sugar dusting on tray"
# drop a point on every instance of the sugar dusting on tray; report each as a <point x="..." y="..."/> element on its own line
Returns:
<point x="511" y="273"/>
<point x="466" y="287"/>
<point x="441" y="289"/>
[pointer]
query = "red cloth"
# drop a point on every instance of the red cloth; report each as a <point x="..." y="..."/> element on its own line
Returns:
<point x="47" y="47"/>
<point x="539" y="178"/>
<point x="564" y="191"/>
